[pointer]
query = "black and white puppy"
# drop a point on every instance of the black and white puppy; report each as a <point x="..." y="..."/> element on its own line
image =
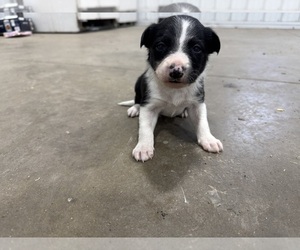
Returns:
<point x="178" y="50"/>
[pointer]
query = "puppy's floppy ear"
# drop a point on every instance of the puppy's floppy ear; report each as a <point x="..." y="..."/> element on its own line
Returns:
<point x="147" y="36"/>
<point x="212" y="41"/>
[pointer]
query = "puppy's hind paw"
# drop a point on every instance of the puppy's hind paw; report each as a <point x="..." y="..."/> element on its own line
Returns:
<point x="184" y="114"/>
<point x="134" y="111"/>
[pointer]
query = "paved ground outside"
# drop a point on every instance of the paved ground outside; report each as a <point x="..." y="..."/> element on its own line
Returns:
<point x="65" y="150"/>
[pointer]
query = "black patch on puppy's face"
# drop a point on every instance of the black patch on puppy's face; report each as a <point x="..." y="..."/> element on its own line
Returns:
<point x="163" y="39"/>
<point x="160" y="40"/>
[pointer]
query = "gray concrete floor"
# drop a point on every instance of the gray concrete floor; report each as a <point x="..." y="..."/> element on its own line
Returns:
<point x="65" y="150"/>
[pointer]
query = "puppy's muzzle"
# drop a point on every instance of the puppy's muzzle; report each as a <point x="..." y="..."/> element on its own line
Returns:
<point x="176" y="72"/>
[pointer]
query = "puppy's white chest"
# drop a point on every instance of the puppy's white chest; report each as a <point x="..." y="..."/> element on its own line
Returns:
<point x="172" y="110"/>
<point x="173" y="105"/>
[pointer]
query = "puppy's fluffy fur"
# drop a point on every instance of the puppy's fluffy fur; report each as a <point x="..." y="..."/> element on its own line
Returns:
<point x="178" y="50"/>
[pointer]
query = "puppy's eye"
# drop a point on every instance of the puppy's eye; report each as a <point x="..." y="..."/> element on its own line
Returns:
<point x="197" y="49"/>
<point x="160" y="47"/>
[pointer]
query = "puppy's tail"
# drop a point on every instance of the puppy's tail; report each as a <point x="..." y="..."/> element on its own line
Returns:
<point x="127" y="103"/>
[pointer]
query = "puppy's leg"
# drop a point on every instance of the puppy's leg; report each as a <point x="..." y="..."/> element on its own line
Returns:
<point x="198" y="114"/>
<point x="144" y="150"/>
<point x="134" y="110"/>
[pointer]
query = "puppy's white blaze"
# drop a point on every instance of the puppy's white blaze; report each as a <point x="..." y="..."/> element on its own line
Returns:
<point x="185" y="24"/>
<point x="178" y="58"/>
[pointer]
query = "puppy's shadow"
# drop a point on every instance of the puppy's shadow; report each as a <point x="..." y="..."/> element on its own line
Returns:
<point x="181" y="128"/>
<point x="174" y="140"/>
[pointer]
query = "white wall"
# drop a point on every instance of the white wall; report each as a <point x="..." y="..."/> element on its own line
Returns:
<point x="233" y="13"/>
<point x="63" y="14"/>
<point x="53" y="15"/>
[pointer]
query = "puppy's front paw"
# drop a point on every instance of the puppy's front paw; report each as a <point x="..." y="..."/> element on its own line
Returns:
<point x="211" y="144"/>
<point x="143" y="152"/>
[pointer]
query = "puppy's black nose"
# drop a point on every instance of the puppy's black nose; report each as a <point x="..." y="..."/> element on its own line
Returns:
<point x="176" y="73"/>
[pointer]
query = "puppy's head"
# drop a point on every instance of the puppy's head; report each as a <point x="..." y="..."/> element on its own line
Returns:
<point x="178" y="48"/>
